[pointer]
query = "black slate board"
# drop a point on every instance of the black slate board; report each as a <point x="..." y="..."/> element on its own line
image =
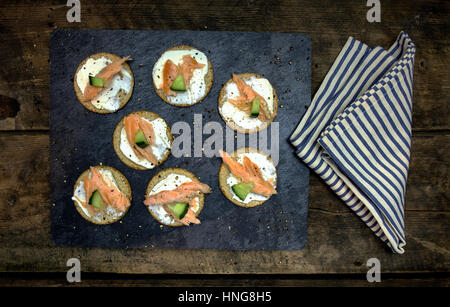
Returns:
<point x="80" y="138"/>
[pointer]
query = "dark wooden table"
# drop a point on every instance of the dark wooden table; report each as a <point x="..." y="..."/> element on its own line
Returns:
<point x="339" y="244"/>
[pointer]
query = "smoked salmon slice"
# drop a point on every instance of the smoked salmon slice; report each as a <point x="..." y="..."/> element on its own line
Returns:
<point x="108" y="192"/>
<point x="171" y="71"/>
<point x="244" y="101"/>
<point x="249" y="172"/>
<point x="186" y="192"/>
<point x="133" y="123"/>
<point x="107" y="73"/>
<point x="188" y="66"/>
<point x="183" y="193"/>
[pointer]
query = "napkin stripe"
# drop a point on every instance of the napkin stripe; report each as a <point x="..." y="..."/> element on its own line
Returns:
<point x="362" y="52"/>
<point x="356" y="134"/>
<point x="379" y="67"/>
<point x="358" y="173"/>
<point x="356" y="205"/>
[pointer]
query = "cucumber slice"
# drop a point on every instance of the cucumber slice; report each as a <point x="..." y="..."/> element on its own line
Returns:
<point x="97" y="82"/>
<point x="179" y="209"/>
<point x="97" y="201"/>
<point x="178" y="84"/>
<point x="255" y="107"/>
<point x="242" y="189"/>
<point x="140" y="139"/>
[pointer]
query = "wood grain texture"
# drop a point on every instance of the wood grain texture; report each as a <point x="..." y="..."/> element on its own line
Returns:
<point x="114" y="280"/>
<point x="338" y="242"/>
<point x="26" y="28"/>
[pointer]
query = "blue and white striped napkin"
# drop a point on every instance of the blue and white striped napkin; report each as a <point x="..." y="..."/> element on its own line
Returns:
<point x="356" y="134"/>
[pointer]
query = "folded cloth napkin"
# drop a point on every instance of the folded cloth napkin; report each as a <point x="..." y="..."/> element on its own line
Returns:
<point x="356" y="134"/>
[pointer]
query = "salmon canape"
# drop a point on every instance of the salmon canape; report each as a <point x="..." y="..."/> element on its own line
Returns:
<point x="247" y="177"/>
<point x="248" y="103"/>
<point x="142" y="140"/>
<point x="104" y="82"/>
<point x="102" y="195"/>
<point x="175" y="197"/>
<point x="182" y="76"/>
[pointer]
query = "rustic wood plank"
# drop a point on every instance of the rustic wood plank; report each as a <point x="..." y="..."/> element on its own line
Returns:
<point x="58" y="280"/>
<point x="26" y="28"/>
<point x="338" y="242"/>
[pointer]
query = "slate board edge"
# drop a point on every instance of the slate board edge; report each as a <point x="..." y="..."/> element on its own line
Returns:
<point x="65" y="30"/>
